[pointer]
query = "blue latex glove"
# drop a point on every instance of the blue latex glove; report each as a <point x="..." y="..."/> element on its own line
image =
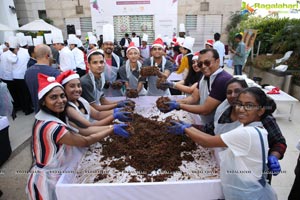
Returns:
<point x="178" y="128"/>
<point x="124" y="103"/>
<point x="119" y="130"/>
<point x="172" y="106"/>
<point x="274" y="165"/>
<point x="166" y="85"/>
<point x="122" y="115"/>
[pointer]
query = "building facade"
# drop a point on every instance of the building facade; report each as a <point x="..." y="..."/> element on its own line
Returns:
<point x="202" y="18"/>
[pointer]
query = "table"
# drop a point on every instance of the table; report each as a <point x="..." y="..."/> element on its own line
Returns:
<point x="283" y="98"/>
<point x="175" y="190"/>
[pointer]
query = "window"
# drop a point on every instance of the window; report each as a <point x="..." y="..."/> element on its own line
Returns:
<point x="191" y="22"/>
<point x="42" y="14"/>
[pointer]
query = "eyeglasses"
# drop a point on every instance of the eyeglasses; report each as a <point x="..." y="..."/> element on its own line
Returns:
<point x="247" y="107"/>
<point x="207" y="63"/>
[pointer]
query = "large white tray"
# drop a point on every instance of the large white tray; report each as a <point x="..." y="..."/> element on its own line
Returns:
<point x="196" y="189"/>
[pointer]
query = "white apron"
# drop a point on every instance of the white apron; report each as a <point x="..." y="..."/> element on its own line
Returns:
<point x="111" y="73"/>
<point x="133" y="81"/>
<point x="152" y="89"/>
<point x="239" y="185"/>
<point x="97" y="90"/>
<point x="86" y="106"/>
<point x="223" y="128"/>
<point x="204" y="91"/>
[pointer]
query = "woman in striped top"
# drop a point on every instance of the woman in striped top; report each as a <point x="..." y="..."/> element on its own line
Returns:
<point x="54" y="141"/>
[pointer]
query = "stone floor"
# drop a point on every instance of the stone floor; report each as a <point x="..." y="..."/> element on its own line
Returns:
<point x="13" y="174"/>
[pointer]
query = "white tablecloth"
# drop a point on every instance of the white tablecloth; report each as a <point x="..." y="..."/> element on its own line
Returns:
<point x="191" y="190"/>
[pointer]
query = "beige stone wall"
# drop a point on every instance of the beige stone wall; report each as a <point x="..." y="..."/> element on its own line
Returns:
<point x="220" y="7"/>
<point x="58" y="10"/>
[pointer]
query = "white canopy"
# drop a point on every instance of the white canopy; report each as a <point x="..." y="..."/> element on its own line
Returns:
<point x="5" y="28"/>
<point x="38" y="25"/>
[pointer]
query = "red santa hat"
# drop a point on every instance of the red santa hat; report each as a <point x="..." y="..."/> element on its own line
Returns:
<point x="196" y="56"/>
<point x="66" y="76"/>
<point x="131" y="46"/>
<point x="46" y="83"/>
<point x="158" y="43"/>
<point x="209" y="42"/>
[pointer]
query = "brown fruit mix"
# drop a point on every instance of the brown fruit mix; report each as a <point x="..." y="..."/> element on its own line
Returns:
<point x="160" y="103"/>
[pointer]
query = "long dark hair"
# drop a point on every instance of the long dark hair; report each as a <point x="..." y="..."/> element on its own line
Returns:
<point x="242" y="82"/>
<point x="192" y="76"/>
<point x="61" y="116"/>
<point x="262" y="99"/>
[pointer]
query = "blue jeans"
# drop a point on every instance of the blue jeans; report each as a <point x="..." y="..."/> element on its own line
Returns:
<point x="237" y="69"/>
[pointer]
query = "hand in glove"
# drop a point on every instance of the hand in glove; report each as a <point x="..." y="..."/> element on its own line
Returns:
<point x="172" y="105"/>
<point x="122" y="115"/>
<point x="119" y="129"/>
<point x="274" y="165"/>
<point x="178" y="128"/>
<point x="124" y="103"/>
<point x="167" y="84"/>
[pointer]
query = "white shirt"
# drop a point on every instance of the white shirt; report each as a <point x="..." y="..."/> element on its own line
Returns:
<point x="244" y="147"/>
<point x="219" y="46"/>
<point x="20" y="67"/>
<point x="79" y="58"/>
<point x="67" y="60"/>
<point x="8" y="58"/>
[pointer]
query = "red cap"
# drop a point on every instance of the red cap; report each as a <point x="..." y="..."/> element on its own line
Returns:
<point x="132" y="46"/>
<point x="46" y="83"/>
<point x="66" y="76"/>
<point x="158" y="42"/>
<point x="210" y="42"/>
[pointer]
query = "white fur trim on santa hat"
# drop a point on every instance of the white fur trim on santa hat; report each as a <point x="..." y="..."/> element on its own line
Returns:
<point x="48" y="88"/>
<point x="71" y="77"/>
<point x="132" y="46"/>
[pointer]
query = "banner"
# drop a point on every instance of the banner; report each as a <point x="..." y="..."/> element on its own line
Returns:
<point x="272" y="8"/>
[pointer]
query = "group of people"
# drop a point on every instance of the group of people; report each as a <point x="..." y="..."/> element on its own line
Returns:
<point x="72" y="111"/>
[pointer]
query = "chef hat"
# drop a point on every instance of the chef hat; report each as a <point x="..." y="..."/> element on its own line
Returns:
<point x="79" y="43"/>
<point x="92" y="40"/>
<point x="13" y="42"/>
<point x="196" y="56"/>
<point x="66" y="76"/>
<point x="108" y="33"/>
<point x="29" y="40"/>
<point x="72" y="39"/>
<point x="132" y="46"/>
<point x="78" y="32"/>
<point x="92" y="52"/>
<point x="158" y="43"/>
<point x="209" y="42"/>
<point x="57" y="37"/>
<point x="181" y="28"/>
<point x="188" y="43"/>
<point x="46" y="83"/>
<point x="20" y="34"/>
<point x="37" y="41"/>
<point x="22" y="40"/>
<point x="145" y="37"/>
<point x="48" y="38"/>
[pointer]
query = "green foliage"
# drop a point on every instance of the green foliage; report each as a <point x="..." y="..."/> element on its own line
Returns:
<point x="288" y="38"/>
<point x="233" y="27"/>
<point x="265" y="62"/>
<point x="48" y="20"/>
